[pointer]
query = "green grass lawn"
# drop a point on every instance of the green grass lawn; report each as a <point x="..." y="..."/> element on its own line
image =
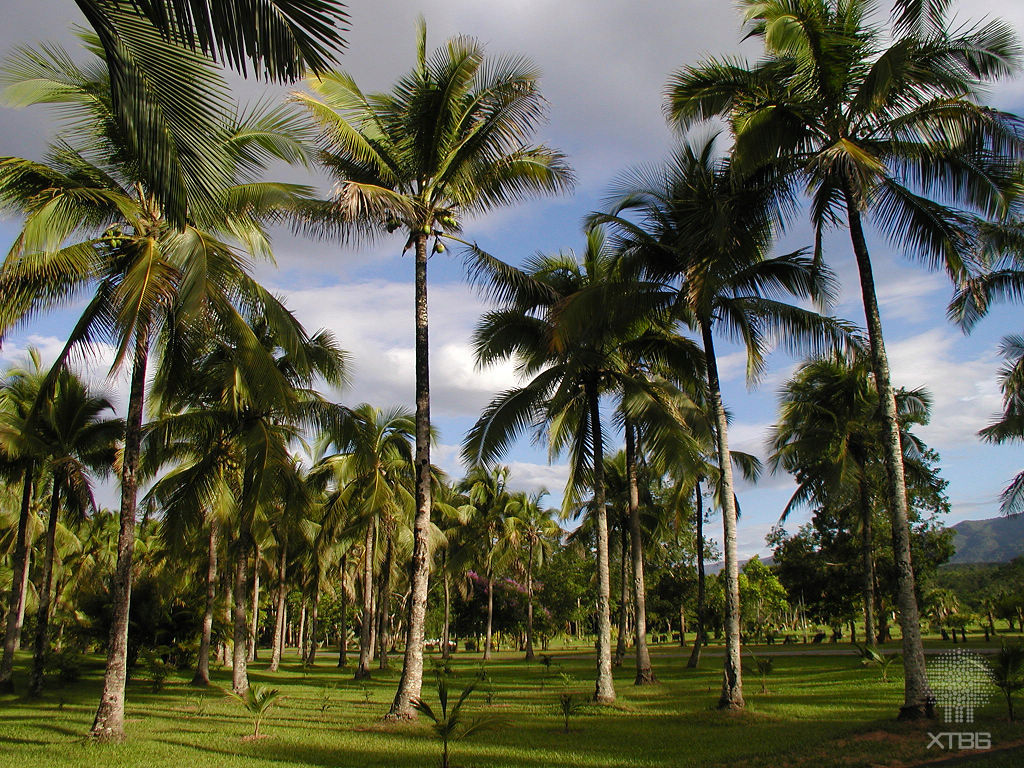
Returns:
<point x="819" y="711"/>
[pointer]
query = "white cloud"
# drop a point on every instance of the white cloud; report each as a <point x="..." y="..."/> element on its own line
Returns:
<point x="964" y="389"/>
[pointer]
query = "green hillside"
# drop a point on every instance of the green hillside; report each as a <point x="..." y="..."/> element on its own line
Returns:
<point x="996" y="540"/>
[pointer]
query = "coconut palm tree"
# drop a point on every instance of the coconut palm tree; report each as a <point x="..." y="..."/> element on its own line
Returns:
<point x="825" y="437"/>
<point x="700" y="243"/>
<point x="880" y="123"/>
<point x="448" y="142"/>
<point x="92" y="220"/>
<point x="166" y="115"/>
<point x="369" y="458"/>
<point x="18" y="393"/>
<point x="76" y="440"/>
<point x="535" y="526"/>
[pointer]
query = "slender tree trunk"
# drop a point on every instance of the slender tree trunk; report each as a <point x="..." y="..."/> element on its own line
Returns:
<point x="254" y="629"/>
<point x="604" y="689"/>
<point x="488" y="637"/>
<point x="866" y="541"/>
<point x="41" y="645"/>
<point x="300" y="643"/>
<point x="644" y="673"/>
<point x="412" y="665"/>
<point x="240" y="615"/>
<point x="529" y="602"/>
<point x="384" y="601"/>
<point x="343" y="629"/>
<point x="446" y="630"/>
<point x="917" y="694"/>
<point x="701" y="640"/>
<point x="108" y="724"/>
<point x="202" y="675"/>
<point x="732" y="677"/>
<point x="279" y="619"/>
<point x="19" y="584"/>
<point x="314" y="614"/>
<point x="366" y="625"/>
<point x="620" y="642"/>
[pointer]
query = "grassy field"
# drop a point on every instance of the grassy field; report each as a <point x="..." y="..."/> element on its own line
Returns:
<point x="819" y="711"/>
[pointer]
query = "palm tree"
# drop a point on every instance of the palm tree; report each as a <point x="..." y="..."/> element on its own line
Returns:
<point x="825" y="437"/>
<point x="573" y="355"/>
<point x="18" y="393"/>
<point x="446" y="143"/>
<point x="370" y="467"/>
<point x="700" y="244"/>
<point x="233" y="442"/>
<point x="166" y="115"/>
<point x="76" y="440"/>
<point x="91" y="218"/>
<point x="1010" y="426"/>
<point x="488" y="493"/>
<point x="536" y="527"/>
<point x="872" y="122"/>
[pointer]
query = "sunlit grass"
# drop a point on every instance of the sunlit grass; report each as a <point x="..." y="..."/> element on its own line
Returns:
<point x="819" y="710"/>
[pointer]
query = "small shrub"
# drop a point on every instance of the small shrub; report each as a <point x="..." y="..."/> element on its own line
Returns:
<point x="1007" y="671"/>
<point x="157" y="669"/>
<point x="872" y="657"/>
<point x="65" y="666"/>
<point x="258" y="700"/>
<point x="326" y="700"/>
<point x="448" y="723"/>
<point x="569" y="703"/>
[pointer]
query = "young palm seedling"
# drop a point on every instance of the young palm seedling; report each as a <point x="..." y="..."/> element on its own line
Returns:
<point x="1007" y="670"/>
<point x="258" y="700"/>
<point x="569" y="703"/>
<point x="448" y="722"/>
<point x="764" y="668"/>
<point x="871" y="656"/>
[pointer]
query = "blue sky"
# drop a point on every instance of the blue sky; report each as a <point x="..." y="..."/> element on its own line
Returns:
<point x="604" y="69"/>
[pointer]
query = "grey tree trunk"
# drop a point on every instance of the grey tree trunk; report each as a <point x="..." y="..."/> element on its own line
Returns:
<point x="917" y="693"/>
<point x="279" y="619"/>
<point x="384" y="600"/>
<point x="254" y="628"/>
<point x="604" y="689"/>
<point x="490" y="616"/>
<point x="701" y="639"/>
<point x="446" y="630"/>
<point x="19" y="585"/>
<point x="240" y="616"/>
<point x="343" y="629"/>
<point x="866" y="539"/>
<point x="300" y="643"/>
<point x="732" y="675"/>
<point x="644" y="672"/>
<point x="529" y="602"/>
<point x="620" y="642"/>
<point x="411" y="682"/>
<point x="366" y="623"/>
<point x="202" y="675"/>
<point x="108" y="724"/>
<point x="314" y="614"/>
<point x="41" y="644"/>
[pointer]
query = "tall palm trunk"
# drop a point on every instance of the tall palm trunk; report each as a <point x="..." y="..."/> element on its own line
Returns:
<point x="446" y="630"/>
<point x="41" y="644"/>
<point x="419" y="572"/>
<point x="202" y="675"/>
<point x="366" y="626"/>
<point x="620" y="642"/>
<point x="19" y="585"/>
<point x="279" y="623"/>
<point x="253" y="629"/>
<point x="644" y="673"/>
<point x="529" y="601"/>
<point x="867" y="555"/>
<point x="698" y="506"/>
<point x="917" y="694"/>
<point x="314" y="615"/>
<point x="108" y="724"/>
<point x="732" y="677"/>
<point x="300" y="642"/>
<point x="490" y="615"/>
<point x="384" y="601"/>
<point x="343" y="623"/>
<point x="604" y="689"/>
<point x="240" y="614"/>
